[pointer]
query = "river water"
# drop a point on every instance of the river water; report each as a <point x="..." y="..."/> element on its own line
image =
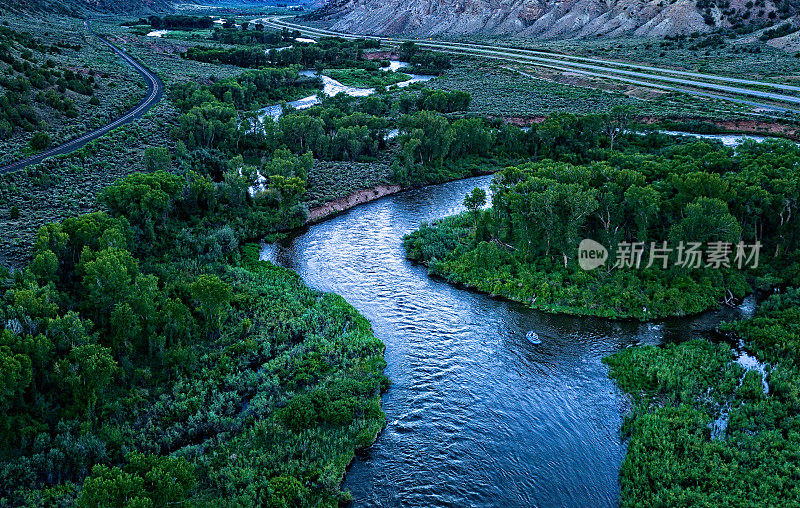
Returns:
<point x="331" y="87"/>
<point x="477" y="415"/>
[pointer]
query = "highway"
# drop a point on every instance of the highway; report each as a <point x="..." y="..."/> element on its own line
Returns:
<point x="656" y="77"/>
<point x="155" y="90"/>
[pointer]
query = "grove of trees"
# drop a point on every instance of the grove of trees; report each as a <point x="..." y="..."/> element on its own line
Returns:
<point x="330" y="52"/>
<point x="180" y="21"/>
<point x="525" y="246"/>
<point x="149" y="358"/>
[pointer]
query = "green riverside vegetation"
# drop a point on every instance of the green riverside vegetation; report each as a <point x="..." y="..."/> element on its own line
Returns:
<point x="525" y="246"/>
<point x="149" y="358"/>
<point x="703" y="431"/>
<point x="366" y="79"/>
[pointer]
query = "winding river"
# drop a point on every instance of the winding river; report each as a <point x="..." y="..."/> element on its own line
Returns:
<point x="477" y="415"/>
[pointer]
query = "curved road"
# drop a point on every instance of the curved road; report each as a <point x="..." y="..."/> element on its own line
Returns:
<point x="600" y="68"/>
<point x="155" y="89"/>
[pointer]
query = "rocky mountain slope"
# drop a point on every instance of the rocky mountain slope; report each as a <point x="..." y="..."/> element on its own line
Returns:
<point x="81" y="7"/>
<point x="551" y="19"/>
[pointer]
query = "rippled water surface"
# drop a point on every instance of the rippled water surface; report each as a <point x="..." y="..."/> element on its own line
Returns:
<point x="477" y="416"/>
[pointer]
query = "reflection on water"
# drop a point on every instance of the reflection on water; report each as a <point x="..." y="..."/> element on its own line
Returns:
<point x="477" y="415"/>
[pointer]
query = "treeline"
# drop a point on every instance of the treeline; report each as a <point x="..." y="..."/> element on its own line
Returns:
<point x="525" y="246"/>
<point x="349" y="137"/>
<point x="248" y="37"/>
<point x="696" y="192"/>
<point x="425" y="61"/>
<point x="241" y="57"/>
<point x="249" y="90"/>
<point x="256" y="36"/>
<point x="327" y="52"/>
<point x="442" y="101"/>
<point x="180" y="21"/>
<point x="210" y="126"/>
<point x="149" y="358"/>
<point x="430" y="142"/>
<point x="215" y="128"/>
<point x="695" y="406"/>
<point x="221" y="118"/>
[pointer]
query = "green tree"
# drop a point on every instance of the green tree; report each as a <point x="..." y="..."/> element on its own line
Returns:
<point x="616" y="122"/>
<point x="107" y="278"/>
<point x="471" y="137"/>
<point x="425" y="137"/>
<point x="301" y="133"/>
<point x="69" y="331"/>
<point x="643" y="205"/>
<point x="157" y="158"/>
<point x="45" y="266"/>
<point x="286" y="491"/>
<point x="213" y="296"/>
<point x="125" y="329"/>
<point x="167" y="480"/>
<point x="17" y="375"/>
<point x="289" y="190"/>
<point x="145" y="199"/>
<point x="706" y="220"/>
<point x="86" y="371"/>
<point x="109" y="487"/>
<point x="474" y="201"/>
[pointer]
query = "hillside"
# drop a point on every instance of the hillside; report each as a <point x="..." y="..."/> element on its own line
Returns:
<point x="79" y="7"/>
<point x="551" y="19"/>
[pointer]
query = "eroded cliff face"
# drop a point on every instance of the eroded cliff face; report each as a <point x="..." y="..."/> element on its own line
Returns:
<point x="547" y="19"/>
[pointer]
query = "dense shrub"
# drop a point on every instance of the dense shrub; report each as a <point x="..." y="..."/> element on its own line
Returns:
<point x="705" y="431"/>
<point x="40" y="141"/>
<point x="526" y="246"/>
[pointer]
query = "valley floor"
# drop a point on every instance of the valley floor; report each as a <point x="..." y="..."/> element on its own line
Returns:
<point x="150" y="357"/>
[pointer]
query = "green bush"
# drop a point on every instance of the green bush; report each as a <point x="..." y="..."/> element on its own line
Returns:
<point x="41" y="141"/>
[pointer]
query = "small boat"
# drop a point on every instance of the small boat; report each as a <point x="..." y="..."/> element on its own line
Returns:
<point x="533" y="337"/>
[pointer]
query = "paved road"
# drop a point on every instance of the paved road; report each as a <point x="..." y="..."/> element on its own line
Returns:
<point x="713" y="77"/>
<point x="607" y="69"/>
<point x="155" y="89"/>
